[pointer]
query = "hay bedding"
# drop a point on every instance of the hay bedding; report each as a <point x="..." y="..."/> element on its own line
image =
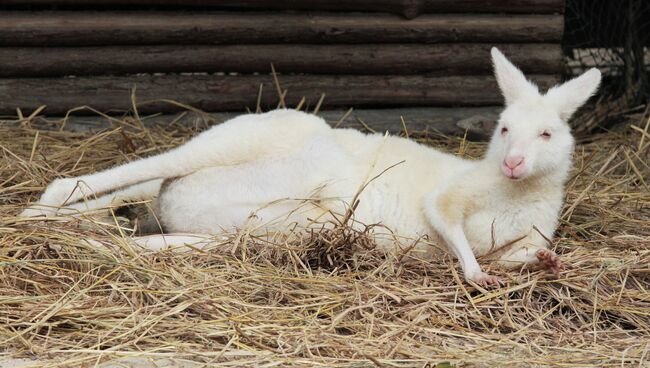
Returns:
<point x="244" y="303"/>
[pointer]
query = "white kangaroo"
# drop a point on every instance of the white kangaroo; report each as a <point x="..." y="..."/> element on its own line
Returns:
<point x="506" y="204"/>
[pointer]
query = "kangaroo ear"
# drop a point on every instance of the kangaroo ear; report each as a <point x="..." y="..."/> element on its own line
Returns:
<point x="568" y="97"/>
<point x="511" y="80"/>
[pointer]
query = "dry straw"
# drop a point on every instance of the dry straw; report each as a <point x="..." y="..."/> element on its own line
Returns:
<point x="316" y="303"/>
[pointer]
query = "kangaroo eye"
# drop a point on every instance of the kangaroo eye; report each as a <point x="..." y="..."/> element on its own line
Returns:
<point x="504" y="130"/>
<point x="545" y="135"/>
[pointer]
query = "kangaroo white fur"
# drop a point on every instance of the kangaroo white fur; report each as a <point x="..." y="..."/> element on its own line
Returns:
<point x="509" y="200"/>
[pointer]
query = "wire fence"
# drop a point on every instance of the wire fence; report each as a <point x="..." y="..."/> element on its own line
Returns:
<point x="614" y="36"/>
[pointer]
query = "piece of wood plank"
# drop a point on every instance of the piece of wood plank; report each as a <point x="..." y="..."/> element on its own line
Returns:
<point x="448" y="121"/>
<point x="228" y="93"/>
<point x="478" y="122"/>
<point x="91" y="28"/>
<point x="439" y="59"/>
<point x="408" y="8"/>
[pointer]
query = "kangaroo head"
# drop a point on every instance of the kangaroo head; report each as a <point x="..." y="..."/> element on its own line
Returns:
<point x="532" y="137"/>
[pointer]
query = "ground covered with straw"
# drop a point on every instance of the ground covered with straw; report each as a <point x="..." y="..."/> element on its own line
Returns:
<point x="66" y="303"/>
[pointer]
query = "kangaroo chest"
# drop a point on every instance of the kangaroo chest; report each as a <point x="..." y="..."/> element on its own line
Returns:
<point x="498" y="224"/>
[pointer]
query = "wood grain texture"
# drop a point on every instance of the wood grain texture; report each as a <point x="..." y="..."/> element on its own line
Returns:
<point x="91" y="28"/>
<point x="440" y="59"/>
<point x="234" y="93"/>
<point x="449" y="121"/>
<point x="408" y="8"/>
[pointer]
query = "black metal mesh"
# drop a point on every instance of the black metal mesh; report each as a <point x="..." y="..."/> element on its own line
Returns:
<point x="614" y="36"/>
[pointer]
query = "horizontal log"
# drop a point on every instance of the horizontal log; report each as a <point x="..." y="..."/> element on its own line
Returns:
<point x="408" y="8"/>
<point x="442" y="59"/>
<point x="234" y="93"/>
<point x="449" y="121"/>
<point x="165" y="28"/>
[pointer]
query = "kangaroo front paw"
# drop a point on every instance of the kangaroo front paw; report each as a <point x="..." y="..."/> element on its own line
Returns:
<point x="485" y="280"/>
<point x="550" y="261"/>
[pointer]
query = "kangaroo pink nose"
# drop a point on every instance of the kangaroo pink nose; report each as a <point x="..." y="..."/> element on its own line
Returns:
<point x="513" y="161"/>
<point x="513" y="167"/>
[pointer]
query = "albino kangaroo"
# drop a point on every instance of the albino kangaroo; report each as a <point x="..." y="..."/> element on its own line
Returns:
<point x="510" y="199"/>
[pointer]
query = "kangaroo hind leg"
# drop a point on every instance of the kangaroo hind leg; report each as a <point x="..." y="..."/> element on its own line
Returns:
<point x="239" y="140"/>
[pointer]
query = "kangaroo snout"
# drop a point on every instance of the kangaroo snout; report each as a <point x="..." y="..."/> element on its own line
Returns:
<point x="513" y="166"/>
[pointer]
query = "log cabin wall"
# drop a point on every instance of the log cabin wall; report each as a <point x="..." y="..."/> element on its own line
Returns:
<point x="214" y="55"/>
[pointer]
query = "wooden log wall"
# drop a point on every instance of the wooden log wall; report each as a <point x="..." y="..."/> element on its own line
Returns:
<point x="215" y="55"/>
<point x="407" y="8"/>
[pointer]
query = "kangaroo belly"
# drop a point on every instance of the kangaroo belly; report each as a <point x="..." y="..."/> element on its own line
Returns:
<point x="315" y="183"/>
